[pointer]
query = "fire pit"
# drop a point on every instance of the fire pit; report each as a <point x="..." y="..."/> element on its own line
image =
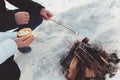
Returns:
<point x="87" y="62"/>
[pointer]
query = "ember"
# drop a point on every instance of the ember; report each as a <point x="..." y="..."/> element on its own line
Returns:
<point x="86" y="62"/>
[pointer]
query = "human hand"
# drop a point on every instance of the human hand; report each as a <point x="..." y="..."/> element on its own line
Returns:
<point x="22" y="17"/>
<point x="24" y="41"/>
<point x="46" y="14"/>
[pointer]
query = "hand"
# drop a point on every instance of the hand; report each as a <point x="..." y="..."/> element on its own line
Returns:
<point x="22" y="18"/>
<point x="46" y="14"/>
<point x="24" y="41"/>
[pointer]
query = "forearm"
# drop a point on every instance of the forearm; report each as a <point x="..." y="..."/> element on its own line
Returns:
<point x="7" y="20"/>
<point x="27" y="5"/>
<point x="7" y="35"/>
<point x="7" y="49"/>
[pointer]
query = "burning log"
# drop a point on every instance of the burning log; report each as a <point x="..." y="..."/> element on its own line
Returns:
<point x="84" y="62"/>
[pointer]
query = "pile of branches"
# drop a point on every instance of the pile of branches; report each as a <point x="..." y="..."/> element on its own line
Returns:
<point x="87" y="62"/>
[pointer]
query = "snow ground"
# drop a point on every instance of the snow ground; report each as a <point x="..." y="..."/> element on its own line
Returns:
<point x="97" y="19"/>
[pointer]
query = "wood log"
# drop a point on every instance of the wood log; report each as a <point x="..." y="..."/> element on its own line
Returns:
<point x="72" y="71"/>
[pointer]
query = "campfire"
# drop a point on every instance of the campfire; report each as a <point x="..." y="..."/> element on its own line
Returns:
<point x="87" y="62"/>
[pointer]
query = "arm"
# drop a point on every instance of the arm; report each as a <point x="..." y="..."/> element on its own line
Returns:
<point x="9" y="46"/>
<point x="27" y="5"/>
<point x="7" y="49"/>
<point x="7" y="35"/>
<point x="7" y="19"/>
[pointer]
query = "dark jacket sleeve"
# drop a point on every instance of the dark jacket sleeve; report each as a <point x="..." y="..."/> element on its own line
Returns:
<point x="27" y="5"/>
<point x="7" y="21"/>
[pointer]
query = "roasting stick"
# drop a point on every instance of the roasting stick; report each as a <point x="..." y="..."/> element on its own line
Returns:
<point x="77" y="33"/>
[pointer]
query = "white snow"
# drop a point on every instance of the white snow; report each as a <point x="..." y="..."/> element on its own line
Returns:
<point x="98" y="20"/>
